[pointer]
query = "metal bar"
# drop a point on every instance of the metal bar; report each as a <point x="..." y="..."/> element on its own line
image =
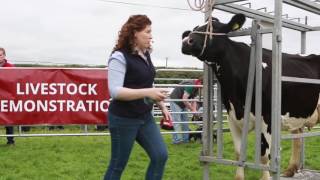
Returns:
<point x="182" y="70"/>
<point x="247" y="32"/>
<point x="187" y="122"/>
<point x="49" y="135"/>
<point x="276" y="90"/>
<point x="233" y="163"/>
<point x="254" y="14"/>
<point x="186" y="112"/>
<point x="295" y="136"/>
<point x="207" y="139"/>
<point x="302" y="153"/>
<point x="86" y="128"/>
<point x="182" y="100"/>
<point x="258" y="99"/>
<point x="98" y="134"/>
<point x="303" y="42"/>
<point x="263" y="8"/>
<point x="198" y="112"/>
<point x="303" y="51"/>
<point x="247" y="109"/>
<point x="89" y="134"/>
<point x="221" y="2"/>
<point x="265" y="31"/>
<point x="219" y="123"/>
<point x="305" y="5"/>
<point x="298" y="19"/>
<point x="173" y="79"/>
<point x="180" y="132"/>
<point x="176" y="85"/>
<point x="300" y="80"/>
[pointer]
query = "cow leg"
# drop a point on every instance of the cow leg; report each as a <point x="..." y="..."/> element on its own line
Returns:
<point x="236" y="137"/>
<point x="318" y="109"/>
<point x="294" y="163"/>
<point x="265" y="150"/>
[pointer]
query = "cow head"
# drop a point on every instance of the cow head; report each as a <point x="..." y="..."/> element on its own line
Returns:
<point x="194" y="43"/>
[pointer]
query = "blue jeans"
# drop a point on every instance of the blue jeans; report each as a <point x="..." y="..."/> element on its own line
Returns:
<point x="124" y="132"/>
<point x="178" y="138"/>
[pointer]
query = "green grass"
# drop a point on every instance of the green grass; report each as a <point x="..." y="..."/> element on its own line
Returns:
<point x="86" y="158"/>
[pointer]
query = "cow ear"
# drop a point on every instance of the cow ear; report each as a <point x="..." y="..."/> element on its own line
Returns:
<point x="235" y="23"/>
<point x="185" y="34"/>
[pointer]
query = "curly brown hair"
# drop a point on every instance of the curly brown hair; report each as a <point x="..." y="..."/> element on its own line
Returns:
<point x="135" y="23"/>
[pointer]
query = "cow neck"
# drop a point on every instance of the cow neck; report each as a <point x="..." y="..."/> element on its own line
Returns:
<point x="234" y="63"/>
<point x="232" y="72"/>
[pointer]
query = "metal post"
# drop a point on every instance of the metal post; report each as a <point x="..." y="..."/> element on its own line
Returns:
<point x="258" y="99"/>
<point x="276" y="91"/>
<point x="86" y="128"/>
<point x="250" y="81"/>
<point x="219" y="120"/>
<point x="167" y="62"/>
<point x="207" y="146"/>
<point x="303" y="42"/>
<point x="303" y="51"/>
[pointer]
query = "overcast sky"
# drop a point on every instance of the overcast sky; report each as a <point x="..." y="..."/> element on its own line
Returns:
<point x="84" y="31"/>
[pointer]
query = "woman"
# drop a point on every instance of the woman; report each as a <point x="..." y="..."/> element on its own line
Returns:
<point x="130" y="78"/>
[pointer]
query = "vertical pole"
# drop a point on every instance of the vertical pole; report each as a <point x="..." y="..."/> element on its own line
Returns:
<point x="86" y="128"/>
<point x="258" y="99"/>
<point x="303" y="51"/>
<point x="249" y="93"/>
<point x="303" y="42"/>
<point x="207" y="145"/>
<point x="276" y="90"/>
<point x="219" y="120"/>
<point x="167" y="62"/>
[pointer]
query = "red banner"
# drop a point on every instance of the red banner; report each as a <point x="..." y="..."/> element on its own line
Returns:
<point x="53" y="96"/>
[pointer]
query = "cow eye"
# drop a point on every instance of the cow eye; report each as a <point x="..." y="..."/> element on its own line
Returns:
<point x="190" y="41"/>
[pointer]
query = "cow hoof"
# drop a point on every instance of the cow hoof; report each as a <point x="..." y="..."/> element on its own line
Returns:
<point x="290" y="171"/>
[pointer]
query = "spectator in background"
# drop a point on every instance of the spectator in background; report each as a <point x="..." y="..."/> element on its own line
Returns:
<point x="56" y="127"/>
<point x="130" y="80"/>
<point x="183" y="93"/>
<point x="5" y="63"/>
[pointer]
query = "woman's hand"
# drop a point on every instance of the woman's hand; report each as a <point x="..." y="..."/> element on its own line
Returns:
<point x="157" y="94"/>
<point x="165" y="113"/>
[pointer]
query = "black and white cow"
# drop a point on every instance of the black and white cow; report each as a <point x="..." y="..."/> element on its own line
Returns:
<point x="231" y="62"/>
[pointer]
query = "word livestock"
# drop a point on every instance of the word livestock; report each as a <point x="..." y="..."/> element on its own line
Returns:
<point x="56" y="88"/>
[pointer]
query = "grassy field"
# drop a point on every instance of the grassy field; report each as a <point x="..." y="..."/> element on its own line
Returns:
<point x="86" y="158"/>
